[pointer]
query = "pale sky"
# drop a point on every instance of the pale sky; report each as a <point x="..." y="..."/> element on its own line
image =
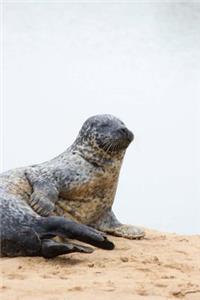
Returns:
<point x="140" y="62"/>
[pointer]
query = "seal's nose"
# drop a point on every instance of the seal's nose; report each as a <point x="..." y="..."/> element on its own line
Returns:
<point x="126" y="133"/>
<point x="130" y="135"/>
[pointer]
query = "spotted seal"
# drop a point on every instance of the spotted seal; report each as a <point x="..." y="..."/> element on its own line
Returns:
<point x="65" y="195"/>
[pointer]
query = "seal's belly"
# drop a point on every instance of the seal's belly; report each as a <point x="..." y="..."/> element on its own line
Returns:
<point x="86" y="202"/>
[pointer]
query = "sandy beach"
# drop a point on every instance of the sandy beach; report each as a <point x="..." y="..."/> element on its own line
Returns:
<point x="162" y="266"/>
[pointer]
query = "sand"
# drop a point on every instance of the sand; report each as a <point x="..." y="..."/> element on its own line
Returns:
<point x="160" y="267"/>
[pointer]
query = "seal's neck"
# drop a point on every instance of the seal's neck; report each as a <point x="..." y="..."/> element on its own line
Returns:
<point x="94" y="155"/>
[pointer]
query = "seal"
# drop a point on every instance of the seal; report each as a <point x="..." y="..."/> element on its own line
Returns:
<point x="77" y="187"/>
<point x="25" y="233"/>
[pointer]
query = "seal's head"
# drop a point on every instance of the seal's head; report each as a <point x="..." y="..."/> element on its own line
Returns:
<point x="106" y="132"/>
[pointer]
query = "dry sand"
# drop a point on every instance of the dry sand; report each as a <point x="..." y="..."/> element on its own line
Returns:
<point x="160" y="267"/>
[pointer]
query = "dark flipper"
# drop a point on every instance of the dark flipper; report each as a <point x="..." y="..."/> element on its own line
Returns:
<point x="59" y="226"/>
<point x="26" y="242"/>
<point x="21" y="242"/>
<point x="34" y="239"/>
<point x="51" y="248"/>
<point x="22" y="233"/>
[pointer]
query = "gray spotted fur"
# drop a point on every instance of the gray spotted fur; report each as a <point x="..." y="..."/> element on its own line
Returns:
<point x="79" y="184"/>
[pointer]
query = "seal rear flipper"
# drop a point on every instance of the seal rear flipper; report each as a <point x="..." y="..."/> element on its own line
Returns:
<point x="62" y="227"/>
<point x="51" y="248"/>
<point x="23" y="241"/>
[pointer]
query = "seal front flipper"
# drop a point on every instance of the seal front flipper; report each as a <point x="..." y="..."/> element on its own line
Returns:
<point x="41" y="203"/>
<point x="108" y="223"/>
<point x="45" y="193"/>
<point x="130" y="232"/>
<point x="60" y="226"/>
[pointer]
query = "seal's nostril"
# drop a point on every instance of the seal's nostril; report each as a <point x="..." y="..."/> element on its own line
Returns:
<point x="126" y="133"/>
<point x="130" y="136"/>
